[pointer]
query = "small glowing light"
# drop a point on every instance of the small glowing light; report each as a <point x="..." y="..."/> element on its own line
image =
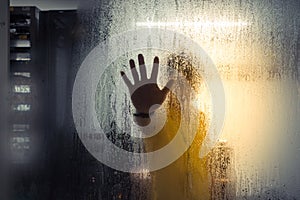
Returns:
<point x="20" y="127"/>
<point x="22" y="107"/>
<point x="143" y="174"/>
<point x="23" y="74"/>
<point x="222" y="141"/>
<point x="220" y="24"/>
<point x="20" y="139"/>
<point x="22" y="89"/>
<point x="20" y="143"/>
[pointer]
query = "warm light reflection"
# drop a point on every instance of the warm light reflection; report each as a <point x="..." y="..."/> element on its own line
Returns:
<point x="202" y="101"/>
<point x="143" y="174"/>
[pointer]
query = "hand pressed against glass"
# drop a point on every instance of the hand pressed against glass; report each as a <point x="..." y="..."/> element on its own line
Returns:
<point x="148" y="93"/>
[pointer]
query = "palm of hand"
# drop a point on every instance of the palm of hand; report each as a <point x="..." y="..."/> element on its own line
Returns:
<point x="146" y="96"/>
<point x="147" y="92"/>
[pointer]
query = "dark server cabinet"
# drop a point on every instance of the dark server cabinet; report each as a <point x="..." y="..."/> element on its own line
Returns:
<point x="27" y="77"/>
<point x="4" y="65"/>
<point x="41" y="145"/>
<point x="27" y="124"/>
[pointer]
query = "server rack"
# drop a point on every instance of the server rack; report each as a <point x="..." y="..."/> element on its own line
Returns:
<point x="27" y="82"/>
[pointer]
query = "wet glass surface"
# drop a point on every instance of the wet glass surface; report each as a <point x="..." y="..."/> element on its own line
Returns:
<point x="255" y="48"/>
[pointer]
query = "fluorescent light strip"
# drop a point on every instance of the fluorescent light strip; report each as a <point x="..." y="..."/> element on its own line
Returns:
<point x="193" y="24"/>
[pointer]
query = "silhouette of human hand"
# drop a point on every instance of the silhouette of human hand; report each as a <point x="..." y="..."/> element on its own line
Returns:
<point x="145" y="92"/>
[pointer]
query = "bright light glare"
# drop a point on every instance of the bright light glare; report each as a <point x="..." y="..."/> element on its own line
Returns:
<point x="221" y="24"/>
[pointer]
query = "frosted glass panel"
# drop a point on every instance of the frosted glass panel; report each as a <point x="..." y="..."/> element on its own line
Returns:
<point x="255" y="48"/>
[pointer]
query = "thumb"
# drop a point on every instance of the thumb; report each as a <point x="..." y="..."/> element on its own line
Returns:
<point x="168" y="87"/>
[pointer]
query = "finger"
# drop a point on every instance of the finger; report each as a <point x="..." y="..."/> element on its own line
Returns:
<point x="168" y="87"/>
<point x="135" y="75"/>
<point x="155" y="69"/>
<point x="126" y="80"/>
<point x="142" y="67"/>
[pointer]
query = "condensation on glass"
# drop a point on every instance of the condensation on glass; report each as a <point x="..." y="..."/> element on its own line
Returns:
<point x="255" y="46"/>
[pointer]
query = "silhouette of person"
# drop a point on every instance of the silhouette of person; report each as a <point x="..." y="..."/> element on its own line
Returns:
<point x="187" y="177"/>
